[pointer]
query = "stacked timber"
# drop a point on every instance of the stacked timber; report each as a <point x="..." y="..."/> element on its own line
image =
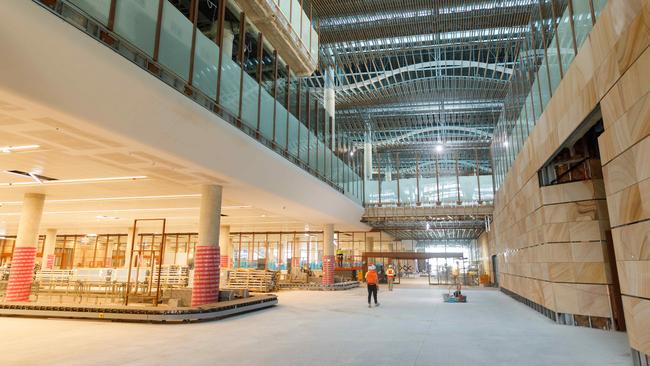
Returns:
<point x="252" y="280"/>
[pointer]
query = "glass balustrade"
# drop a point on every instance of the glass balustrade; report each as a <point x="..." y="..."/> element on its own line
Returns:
<point x="248" y="86"/>
<point x="556" y="31"/>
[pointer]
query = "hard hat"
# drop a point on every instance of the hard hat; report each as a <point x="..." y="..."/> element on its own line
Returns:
<point x="390" y="266"/>
<point x="371" y="267"/>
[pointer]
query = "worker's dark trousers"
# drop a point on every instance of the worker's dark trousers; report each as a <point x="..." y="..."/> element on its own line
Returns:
<point x="372" y="291"/>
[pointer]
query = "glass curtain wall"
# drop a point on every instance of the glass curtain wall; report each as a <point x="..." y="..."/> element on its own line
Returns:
<point x="276" y="250"/>
<point x="557" y="30"/>
<point x="434" y="179"/>
<point x="212" y="55"/>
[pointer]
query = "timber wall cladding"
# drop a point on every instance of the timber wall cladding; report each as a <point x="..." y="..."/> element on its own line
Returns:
<point x="613" y="69"/>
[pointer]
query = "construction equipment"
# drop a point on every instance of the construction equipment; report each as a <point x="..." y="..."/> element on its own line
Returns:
<point x="454" y="297"/>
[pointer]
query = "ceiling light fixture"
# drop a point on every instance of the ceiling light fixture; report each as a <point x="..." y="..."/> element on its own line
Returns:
<point x="506" y="144"/>
<point x="10" y="149"/>
<point x="440" y="148"/>
<point x="76" y="181"/>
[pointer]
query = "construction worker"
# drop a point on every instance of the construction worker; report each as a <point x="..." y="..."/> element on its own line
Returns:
<point x="372" y="280"/>
<point x="339" y="257"/>
<point x="390" y="276"/>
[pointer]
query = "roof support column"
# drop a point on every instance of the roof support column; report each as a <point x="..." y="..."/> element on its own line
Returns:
<point x="328" y="254"/>
<point x="24" y="256"/>
<point x="206" y="255"/>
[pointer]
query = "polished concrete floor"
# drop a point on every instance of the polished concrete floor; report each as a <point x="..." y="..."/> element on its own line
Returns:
<point x="411" y="327"/>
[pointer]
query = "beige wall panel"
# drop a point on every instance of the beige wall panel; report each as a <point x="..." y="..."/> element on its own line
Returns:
<point x="593" y="300"/>
<point x="637" y="320"/>
<point x="590" y="273"/>
<point x="632" y="242"/>
<point x="588" y="252"/>
<point x="630" y="167"/>
<point x="585" y="231"/>
<point x="634" y="277"/>
<point x="630" y="205"/>
<point x="556" y="232"/>
<point x="569" y="192"/>
<point x="632" y="127"/>
<point x="566" y="298"/>
<point x="562" y="272"/>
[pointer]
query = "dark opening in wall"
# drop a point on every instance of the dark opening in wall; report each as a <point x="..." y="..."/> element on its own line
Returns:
<point x="578" y="158"/>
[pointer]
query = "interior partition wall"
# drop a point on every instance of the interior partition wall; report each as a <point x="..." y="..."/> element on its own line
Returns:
<point x="213" y="55"/>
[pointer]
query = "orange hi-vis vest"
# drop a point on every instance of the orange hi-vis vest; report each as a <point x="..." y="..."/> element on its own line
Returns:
<point x="390" y="272"/>
<point x="371" y="277"/>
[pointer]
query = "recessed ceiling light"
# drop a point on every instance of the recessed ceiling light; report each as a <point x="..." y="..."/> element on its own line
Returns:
<point x="10" y="149"/>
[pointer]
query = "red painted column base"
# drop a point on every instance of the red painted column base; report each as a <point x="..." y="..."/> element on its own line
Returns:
<point x="21" y="274"/>
<point x="206" y="275"/>
<point x="224" y="261"/>
<point x="49" y="261"/>
<point x="328" y="270"/>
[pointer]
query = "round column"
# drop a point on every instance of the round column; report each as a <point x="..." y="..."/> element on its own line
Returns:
<point x="206" y="255"/>
<point x="24" y="256"/>
<point x="47" y="262"/>
<point x="328" y="254"/>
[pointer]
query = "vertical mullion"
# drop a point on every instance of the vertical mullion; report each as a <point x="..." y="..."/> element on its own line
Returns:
<point x="379" y="176"/>
<point x="417" y="180"/>
<point x="260" y="56"/>
<point x="557" y="37"/>
<point x="111" y="15"/>
<point x="240" y="57"/>
<point x="573" y="30"/>
<point x="156" y="46"/>
<point x="399" y="202"/>
<point x="275" y="90"/>
<point x="287" y="99"/>
<point x="219" y="42"/>
<point x="194" y="16"/>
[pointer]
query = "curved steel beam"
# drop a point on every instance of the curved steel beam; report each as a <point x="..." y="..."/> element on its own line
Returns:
<point x="443" y="64"/>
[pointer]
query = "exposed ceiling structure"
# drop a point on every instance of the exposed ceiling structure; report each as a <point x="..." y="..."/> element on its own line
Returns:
<point x="410" y="75"/>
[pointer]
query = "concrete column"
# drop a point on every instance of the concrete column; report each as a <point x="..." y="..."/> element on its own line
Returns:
<point x="47" y="261"/>
<point x="206" y="255"/>
<point x="228" y="38"/>
<point x="24" y="256"/>
<point x="328" y="254"/>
